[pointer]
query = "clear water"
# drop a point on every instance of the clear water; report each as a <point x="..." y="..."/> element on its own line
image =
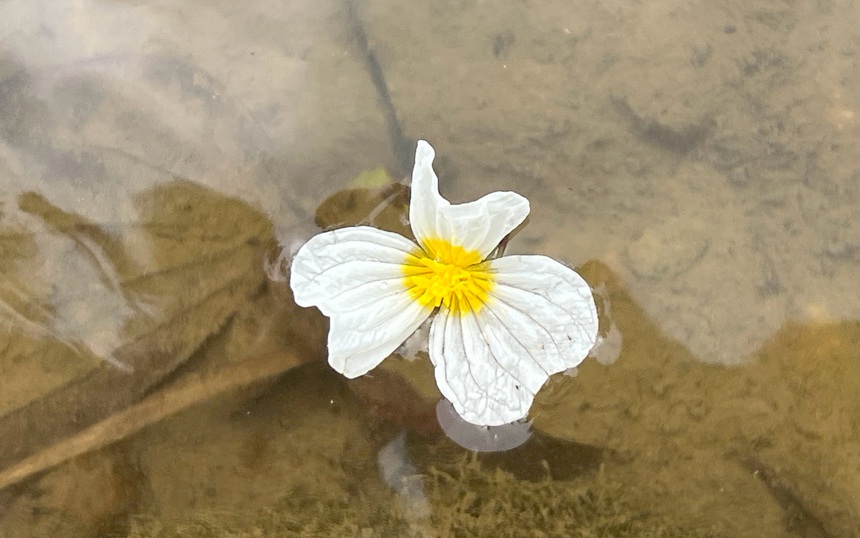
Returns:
<point x="696" y="161"/>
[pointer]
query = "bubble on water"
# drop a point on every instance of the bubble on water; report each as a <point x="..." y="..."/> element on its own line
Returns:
<point x="417" y="342"/>
<point x="402" y="477"/>
<point x="481" y="438"/>
<point x="608" y="346"/>
<point x="290" y="240"/>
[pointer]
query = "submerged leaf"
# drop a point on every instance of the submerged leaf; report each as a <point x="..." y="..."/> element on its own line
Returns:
<point x="174" y="277"/>
<point x="383" y="208"/>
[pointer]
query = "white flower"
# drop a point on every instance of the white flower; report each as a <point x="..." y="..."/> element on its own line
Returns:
<point x="502" y="326"/>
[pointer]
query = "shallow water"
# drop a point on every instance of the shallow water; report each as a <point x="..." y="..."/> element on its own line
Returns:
<point x="696" y="162"/>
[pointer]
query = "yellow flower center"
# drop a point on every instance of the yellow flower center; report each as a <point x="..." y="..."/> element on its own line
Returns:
<point x="449" y="275"/>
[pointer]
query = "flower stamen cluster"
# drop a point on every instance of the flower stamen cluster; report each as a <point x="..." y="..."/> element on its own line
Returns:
<point x="447" y="275"/>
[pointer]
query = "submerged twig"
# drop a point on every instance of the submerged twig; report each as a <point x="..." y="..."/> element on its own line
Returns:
<point x="799" y="516"/>
<point x="193" y="389"/>
<point x="400" y="144"/>
<point x="680" y="141"/>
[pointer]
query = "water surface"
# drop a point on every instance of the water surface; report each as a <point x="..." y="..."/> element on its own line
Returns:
<point x="696" y="162"/>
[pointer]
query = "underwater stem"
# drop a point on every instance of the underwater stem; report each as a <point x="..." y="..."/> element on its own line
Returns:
<point x="191" y="390"/>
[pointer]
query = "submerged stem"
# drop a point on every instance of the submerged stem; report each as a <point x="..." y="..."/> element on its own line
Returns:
<point x="192" y="389"/>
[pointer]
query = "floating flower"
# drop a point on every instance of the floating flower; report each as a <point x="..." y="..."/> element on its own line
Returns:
<point x="502" y="325"/>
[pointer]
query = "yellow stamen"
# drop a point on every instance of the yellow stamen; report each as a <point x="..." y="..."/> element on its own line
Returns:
<point x="449" y="275"/>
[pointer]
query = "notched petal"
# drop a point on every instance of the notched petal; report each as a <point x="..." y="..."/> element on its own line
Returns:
<point x="360" y="340"/>
<point x="355" y="276"/>
<point x="479" y="225"/>
<point x="540" y="319"/>
<point x="336" y="268"/>
<point x="549" y="304"/>
<point x="486" y="388"/>
<point x="425" y="200"/>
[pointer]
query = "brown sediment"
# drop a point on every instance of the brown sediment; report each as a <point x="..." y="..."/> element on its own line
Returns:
<point x="779" y="433"/>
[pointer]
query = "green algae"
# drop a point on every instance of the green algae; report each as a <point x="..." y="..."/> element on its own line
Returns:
<point x="464" y="500"/>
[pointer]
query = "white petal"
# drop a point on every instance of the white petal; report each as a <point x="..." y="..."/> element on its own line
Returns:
<point x="425" y="199"/>
<point x="338" y="270"/>
<point x="359" y="340"/>
<point x="481" y="225"/>
<point x="478" y="225"/>
<point x="354" y="276"/>
<point x="548" y="306"/>
<point x="473" y="376"/>
<point x="540" y="320"/>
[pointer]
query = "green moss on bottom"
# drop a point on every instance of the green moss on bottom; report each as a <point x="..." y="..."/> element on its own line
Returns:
<point x="464" y="501"/>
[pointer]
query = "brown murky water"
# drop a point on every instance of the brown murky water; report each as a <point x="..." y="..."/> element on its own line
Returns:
<point x="696" y="162"/>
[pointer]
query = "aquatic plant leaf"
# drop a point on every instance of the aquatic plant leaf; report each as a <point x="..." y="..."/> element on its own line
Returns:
<point x="377" y="178"/>
<point x="383" y="208"/>
<point x="188" y="264"/>
<point x="34" y="361"/>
